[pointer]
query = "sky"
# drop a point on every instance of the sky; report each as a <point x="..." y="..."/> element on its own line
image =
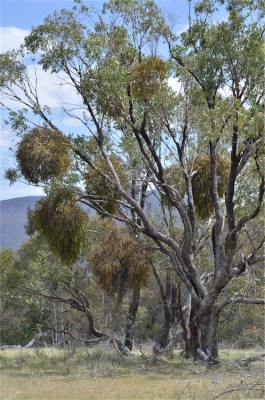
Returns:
<point x="16" y="20"/>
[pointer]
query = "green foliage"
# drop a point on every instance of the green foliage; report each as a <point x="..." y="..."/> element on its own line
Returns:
<point x="142" y="17"/>
<point x="11" y="69"/>
<point x="174" y="177"/>
<point x="113" y="78"/>
<point x="8" y="276"/>
<point x="22" y="320"/>
<point x="62" y="223"/>
<point x="251" y="337"/>
<point x="211" y="50"/>
<point x="21" y="314"/>
<point x="58" y="39"/>
<point x="247" y="329"/>
<point x="49" y="155"/>
<point x="36" y="264"/>
<point x="34" y="272"/>
<point x="247" y="189"/>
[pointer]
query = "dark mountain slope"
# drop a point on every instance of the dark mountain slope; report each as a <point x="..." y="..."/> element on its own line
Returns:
<point x="13" y="218"/>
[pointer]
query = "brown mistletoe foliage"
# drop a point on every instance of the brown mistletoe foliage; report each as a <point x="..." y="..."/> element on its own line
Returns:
<point x="201" y="184"/>
<point x="147" y="77"/>
<point x="122" y="264"/>
<point x="42" y="154"/>
<point x="62" y="223"/>
<point x="100" y="186"/>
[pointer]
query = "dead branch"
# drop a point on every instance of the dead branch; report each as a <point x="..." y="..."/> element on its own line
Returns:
<point x="27" y="346"/>
<point x="256" y="386"/>
<point x="207" y="358"/>
<point x="259" y="357"/>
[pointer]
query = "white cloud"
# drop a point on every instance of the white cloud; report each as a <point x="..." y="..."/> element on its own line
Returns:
<point x="7" y="160"/>
<point x="11" y="37"/>
<point x="7" y="138"/>
<point x="225" y="91"/>
<point x="52" y="93"/>
<point x="7" y="157"/>
<point x="175" y="84"/>
<point x="181" y="28"/>
<point x="72" y="122"/>
<point x="19" y="190"/>
<point x="50" y="89"/>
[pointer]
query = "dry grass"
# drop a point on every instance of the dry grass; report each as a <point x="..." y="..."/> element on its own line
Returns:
<point x="102" y="374"/>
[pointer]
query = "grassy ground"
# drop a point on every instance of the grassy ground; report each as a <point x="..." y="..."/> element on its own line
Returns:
<point x="100" y="373"/>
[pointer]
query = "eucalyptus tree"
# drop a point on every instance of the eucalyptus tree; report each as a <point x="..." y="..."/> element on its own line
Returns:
<point x="190" y="147"/>
<point x="226" y="64"/>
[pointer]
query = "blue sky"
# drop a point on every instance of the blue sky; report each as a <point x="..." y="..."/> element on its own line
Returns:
<point x="24" y="13"/>
<point x="27" y="13"/>
<point x="17" y="19"/>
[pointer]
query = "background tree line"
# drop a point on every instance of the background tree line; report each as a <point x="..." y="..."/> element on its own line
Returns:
<point x="38" y="294"/>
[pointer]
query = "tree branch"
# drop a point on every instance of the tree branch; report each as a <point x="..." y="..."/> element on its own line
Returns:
<point x="237" y="300"/>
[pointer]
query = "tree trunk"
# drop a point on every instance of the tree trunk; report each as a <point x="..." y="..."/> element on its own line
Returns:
<point x="209" y="333"/>
<point x="204" y="332"/>
<point x="170" y="302"/>
<point x="163" y="338"/>
<point x="195" y="334"/>
<point x="184" y="321"/>
<point x="129" y="334"/>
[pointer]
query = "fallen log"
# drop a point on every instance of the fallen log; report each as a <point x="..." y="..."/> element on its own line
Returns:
<point x="259" y="357"/>
<point x="207" y="358"/>
<point x="27" y="346"/>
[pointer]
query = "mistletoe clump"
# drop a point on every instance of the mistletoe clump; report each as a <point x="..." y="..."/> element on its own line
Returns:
<point x="43" y="154"/>
<point x="121" y="265"/>
<point x="201" y="183"/>
<point x="104" y="188"/>
<point x="147" y="77"/>
<point x="62" y="223"/>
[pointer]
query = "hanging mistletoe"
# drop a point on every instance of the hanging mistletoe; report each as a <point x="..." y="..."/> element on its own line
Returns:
<point x="121" y="265"/>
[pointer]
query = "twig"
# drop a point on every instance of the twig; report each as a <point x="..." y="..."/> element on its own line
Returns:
<point x="236" y="390"/>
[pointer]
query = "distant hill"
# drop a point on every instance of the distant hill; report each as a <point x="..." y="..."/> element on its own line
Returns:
<point x="13" y="218"/>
